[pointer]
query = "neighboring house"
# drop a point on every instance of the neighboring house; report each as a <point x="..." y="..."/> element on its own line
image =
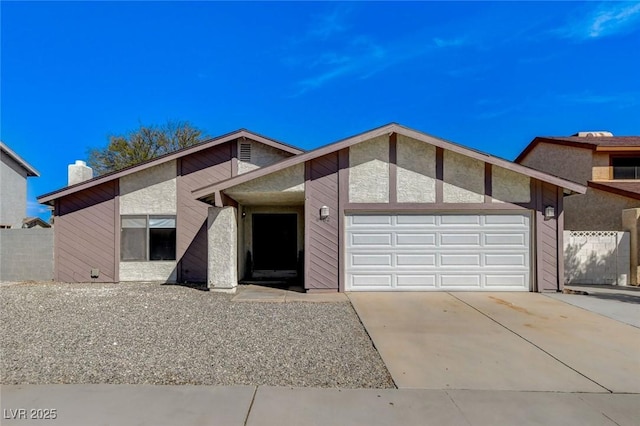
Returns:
<point x="388" y="209"/>
<point x="610" y="168"/>
<point x="14" y="172"/>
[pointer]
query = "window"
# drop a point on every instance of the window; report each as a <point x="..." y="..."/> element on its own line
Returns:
<point x="626" y="167"/>
<point x="148" y="238"/>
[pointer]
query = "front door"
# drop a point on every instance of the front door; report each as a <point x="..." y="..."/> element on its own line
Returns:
<point x="275" y="242"/>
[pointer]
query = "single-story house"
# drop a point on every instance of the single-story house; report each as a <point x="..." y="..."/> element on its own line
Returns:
<point x="388" y="209"/>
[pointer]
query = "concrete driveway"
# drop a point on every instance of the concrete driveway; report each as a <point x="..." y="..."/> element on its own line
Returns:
<point x="499" y="341"/>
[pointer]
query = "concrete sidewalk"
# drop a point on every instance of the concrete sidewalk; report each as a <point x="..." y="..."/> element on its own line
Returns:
<point x="210" y="405"/>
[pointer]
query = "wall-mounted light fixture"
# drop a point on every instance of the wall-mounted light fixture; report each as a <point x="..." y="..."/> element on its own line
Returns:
<point x="324" y="213"/>
<point x="549" y="212"/>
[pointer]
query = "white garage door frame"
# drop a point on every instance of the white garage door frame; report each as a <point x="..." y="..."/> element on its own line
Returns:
<point x="439" y="251"/>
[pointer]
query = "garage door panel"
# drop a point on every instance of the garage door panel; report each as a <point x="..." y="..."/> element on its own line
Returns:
<point x="371" y="260"/>
<point x="438" y="252"/>
<point x="370" y="220"/>
<point x="460" y="219"/>
<point x="501" y="281"/>
<point x="415" y="260"/>
<point x="497" y="219"/>
<point x="427" y="240"/>
<point x="503" y="259"/>
<point x="416" y="219"/>
<point x="413" y="281"/>
<point x="370" y="239"/>
<point x="370" y="281"/>
<point x="504" y="239"/>
<point x="459" y="280"/>
<point x="460" y="260"/>
<point x="463" y="240"/>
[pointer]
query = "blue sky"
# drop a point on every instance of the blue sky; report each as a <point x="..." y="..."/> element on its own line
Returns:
<point x="491" y="76"/>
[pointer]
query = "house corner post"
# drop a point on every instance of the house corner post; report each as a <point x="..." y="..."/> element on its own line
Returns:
<point x="222" y="270"/>
<point x="630" y="223"/>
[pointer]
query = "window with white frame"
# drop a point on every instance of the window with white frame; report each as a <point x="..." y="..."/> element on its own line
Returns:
<point x="147" y="238"/>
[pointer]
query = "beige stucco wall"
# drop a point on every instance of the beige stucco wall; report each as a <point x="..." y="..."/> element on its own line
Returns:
<point x="463" y="179"/>
<point x="223" y="248"/>
<point x="369" y="171"/>
<point x="555" y="160"/>
<point x="596" y="211"/>
<point x="416" y="171"/>
<point x="164" y="271"/>
<point x="261" y="156"/>
<point x="509" y="186"/>
<point x="601" y="167"/>
<point x="149" y="191"/>
<point x="290" y="179"/>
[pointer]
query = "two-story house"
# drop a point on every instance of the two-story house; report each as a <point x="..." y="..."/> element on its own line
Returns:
<point x="610" y="168"/>
<point x="14" y="172"/>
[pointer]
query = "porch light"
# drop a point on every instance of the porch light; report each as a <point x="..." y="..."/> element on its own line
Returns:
<point x="549" y="212"/>
<point x="324" y="213"/>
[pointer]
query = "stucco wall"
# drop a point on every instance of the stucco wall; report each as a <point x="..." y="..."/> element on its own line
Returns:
<point x="416" y="171"/>
<point x="554" y="159"/>
<point x="13" y="187"/>
<point x="223" y="248"/>
<point x="596" y="211"/>
<point x="261" y="156"/>
<point x="290" y="179"/>
<point x="601" y="166"/>
<point x="509" y="186"/>
<point x="369" y="171"/>
<point x="463" y="179"/>
<point x="164" y="271"/>
<point x="150" y="191"/>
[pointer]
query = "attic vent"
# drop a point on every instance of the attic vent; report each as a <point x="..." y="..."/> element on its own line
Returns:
<point x="245" y="152"/>
<point x="598" y="134"/>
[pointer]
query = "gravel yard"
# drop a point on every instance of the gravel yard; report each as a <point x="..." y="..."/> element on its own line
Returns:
<point x="159" y="334"/>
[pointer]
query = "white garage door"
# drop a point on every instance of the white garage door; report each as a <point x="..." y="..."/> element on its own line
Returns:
<point x="403" y="252"/>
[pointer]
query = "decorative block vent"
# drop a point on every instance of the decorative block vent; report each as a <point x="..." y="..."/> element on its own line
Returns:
<point x="593" y="233"/>
<point x="245" y="152"/>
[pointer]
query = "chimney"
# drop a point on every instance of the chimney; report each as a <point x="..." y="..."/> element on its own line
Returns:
<point x="79" y="172"/>
<point x="596" y="134"/>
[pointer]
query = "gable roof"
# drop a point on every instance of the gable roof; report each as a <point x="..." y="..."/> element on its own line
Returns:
<point x="594" y="143"/>
<point x="629" y="189"/>
<point x="211" y="192"/>
<point x="31" y="171"/>
<point x="242" y="133"/>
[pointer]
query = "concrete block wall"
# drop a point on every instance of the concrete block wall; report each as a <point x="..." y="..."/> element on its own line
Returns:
<point x="597" y="257"/>
<point x="26" y="254"/>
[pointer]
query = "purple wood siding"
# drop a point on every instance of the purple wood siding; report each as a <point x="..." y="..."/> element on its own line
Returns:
<point x="85" y="234"/>
<point x="547" y="238"/>
<point x="322" y="237"/>
<point x="196" y="171"/>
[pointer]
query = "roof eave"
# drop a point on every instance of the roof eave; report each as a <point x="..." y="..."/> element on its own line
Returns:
<point x="50" y="197"/>
<point x="31" y="171"/>
<point x="206" y="191"/>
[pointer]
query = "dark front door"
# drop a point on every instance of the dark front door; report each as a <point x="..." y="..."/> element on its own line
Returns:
<point x="275" y="242"/>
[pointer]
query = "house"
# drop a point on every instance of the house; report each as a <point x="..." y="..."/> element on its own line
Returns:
<point x="388" y="209"/>
<point x="609" y="166"/>
<point x="14" y="172"/>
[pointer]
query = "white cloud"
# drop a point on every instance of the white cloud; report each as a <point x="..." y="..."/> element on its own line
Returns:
<point x="606" y="19"/>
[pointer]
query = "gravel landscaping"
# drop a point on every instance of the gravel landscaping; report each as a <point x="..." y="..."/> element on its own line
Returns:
<point x="138" y="333"/>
